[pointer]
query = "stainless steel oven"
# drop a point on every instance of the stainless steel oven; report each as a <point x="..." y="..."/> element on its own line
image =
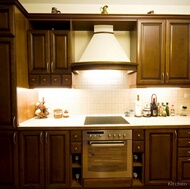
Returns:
<point x="107" y="158"/>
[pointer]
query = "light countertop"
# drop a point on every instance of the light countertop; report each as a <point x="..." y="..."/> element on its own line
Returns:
<point x="78" y="121"/>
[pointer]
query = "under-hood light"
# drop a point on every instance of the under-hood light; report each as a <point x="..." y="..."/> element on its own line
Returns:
<point x="104" y="52"/>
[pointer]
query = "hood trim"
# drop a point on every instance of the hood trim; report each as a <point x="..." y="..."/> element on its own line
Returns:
<point x="104" y="65"/>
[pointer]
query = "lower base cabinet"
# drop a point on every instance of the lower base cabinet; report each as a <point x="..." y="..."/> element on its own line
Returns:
<point x="9" y="160"/>
<point x="160" y="156"/>
<point x="44" y="157"/>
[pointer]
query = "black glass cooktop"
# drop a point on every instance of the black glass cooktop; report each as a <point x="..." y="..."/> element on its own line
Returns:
<point x="95" y="120"/>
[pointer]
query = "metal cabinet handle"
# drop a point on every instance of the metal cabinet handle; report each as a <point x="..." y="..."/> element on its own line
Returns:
<point x="52" y="67"/>
<point x="162" y="77"/>
<point x="175" y="135"/>
<point x="167" y="77"/>
<point x="41" y="141"/>
<point x="14" y="138"/>
<point x="48" y="68"/>
<point x="14" y="121"/>
<point x="46" y="138"/>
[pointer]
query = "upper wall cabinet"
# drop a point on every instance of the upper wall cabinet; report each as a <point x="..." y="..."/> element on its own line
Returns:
<point x="151" y="55"/>
<point x="49" y="58"/>
<point x="178" y="52"/>
<point x="7" y="20"/>
<point x="163" y="52"/>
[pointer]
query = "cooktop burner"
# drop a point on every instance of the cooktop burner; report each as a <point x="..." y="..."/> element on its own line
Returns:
<point x="95" y="120"/>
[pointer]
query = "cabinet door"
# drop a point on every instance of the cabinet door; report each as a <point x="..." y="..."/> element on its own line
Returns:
<point x="60" y="52"/>
<point x="178" y="52"/>
<point x="7" y="20"/>
<point x="31" y="159"/>
<point x="160" y="156"/>
<point x="183" y="169"/>
<point x="38" y="52"/>
<point x="7" y="83"/>
<point x="9" y="160"/>
<point x="151" y="55"/>
<point x="57" y="159"/>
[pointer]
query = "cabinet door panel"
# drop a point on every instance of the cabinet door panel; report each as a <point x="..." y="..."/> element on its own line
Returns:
<point x="7" y="20"/>
<point x="57" y="158"/>
<point x="9" y="160"/>
<point x="184" y="169"/>
<point x="60" y="52"/>
<point x="38" y="52"/>
<point x="7" y="84"/>
<point x="152" y="51"/>
<point x="160" y="156"/>
<point x="178" y="56"/>
<point x="31" y="159"/>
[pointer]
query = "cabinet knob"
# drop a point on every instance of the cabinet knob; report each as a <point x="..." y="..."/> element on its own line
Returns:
<point x="188" y="152"/>
<point x="44" y="80"/>
<point x="55" y="80"/>
<point x="138" y="135"/>
<point x="76" y="148"/>
<point x="75" y="136"/>
<point x="33" y="79"/>
<point x="138" y="147"/>
<point x="66" y="79"/>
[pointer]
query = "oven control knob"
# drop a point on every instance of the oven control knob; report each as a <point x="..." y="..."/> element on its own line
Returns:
<point x="124" y="135"/>
<point x="109" y="135"/>
<point x="114" y="135"/>
<point x="100" y="136"/>
<point x="119" y="135"/>
<point x="90" y="136"/>
<point x="95" y="136"/>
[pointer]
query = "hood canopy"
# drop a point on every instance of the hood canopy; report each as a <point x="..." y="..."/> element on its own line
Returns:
<point x="104" y="52"/>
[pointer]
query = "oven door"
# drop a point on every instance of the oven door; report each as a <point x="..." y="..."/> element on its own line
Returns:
<point x="107" y="159"/>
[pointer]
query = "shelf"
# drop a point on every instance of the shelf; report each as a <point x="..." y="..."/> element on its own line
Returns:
<point x="137" y="164"/>
<point x="76" y="165"/>
<point x="137" y="182"/>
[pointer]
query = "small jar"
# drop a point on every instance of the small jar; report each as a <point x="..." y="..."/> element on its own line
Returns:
<point x="66" y="114"/>
<point x="58" y="113"/>
<point x="146" y="111"/>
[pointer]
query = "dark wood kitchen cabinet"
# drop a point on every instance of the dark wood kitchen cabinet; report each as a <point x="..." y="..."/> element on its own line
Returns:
<point x="160" y="156"/>
<point x="183" y="171"/>
<point x="177" y="52"/>
<point x="49" y="58"/>
<point x="44" y="157"/>
<point x="7" y="83"/>
<point x="151" y="55"/>
<point x="13" y="26"/>
<point x="163" y="52"/>
<point x="9" y="174"/>
<point x="7" y="20"/>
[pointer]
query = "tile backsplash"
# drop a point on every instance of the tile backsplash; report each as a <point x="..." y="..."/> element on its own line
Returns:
<point x="109" y="93"/>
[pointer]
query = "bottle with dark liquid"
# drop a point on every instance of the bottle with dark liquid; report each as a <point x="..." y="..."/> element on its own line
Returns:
<point x="154" y="107"/>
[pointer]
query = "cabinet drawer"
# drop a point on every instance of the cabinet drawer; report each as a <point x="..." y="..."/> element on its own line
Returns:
<point x="184" y="142"/>
<point x="66" y="80"/>
<point x="44" y="80"/>
<point x="34" y="80"/>
<point x="76" y="147"/>
<point x="184" y="133"/>
<point x="138" y="146"/>
<point x="138" y="134"/>
<point x="184" y="152"/>
<point x="56" y="80"/>
<point x="75" y="136"/>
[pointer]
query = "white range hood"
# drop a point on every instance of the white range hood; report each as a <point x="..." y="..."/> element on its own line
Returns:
<point x="104" y="52"/>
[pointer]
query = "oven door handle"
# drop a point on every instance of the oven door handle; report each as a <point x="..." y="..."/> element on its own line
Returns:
<point x="106" y="143"/>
